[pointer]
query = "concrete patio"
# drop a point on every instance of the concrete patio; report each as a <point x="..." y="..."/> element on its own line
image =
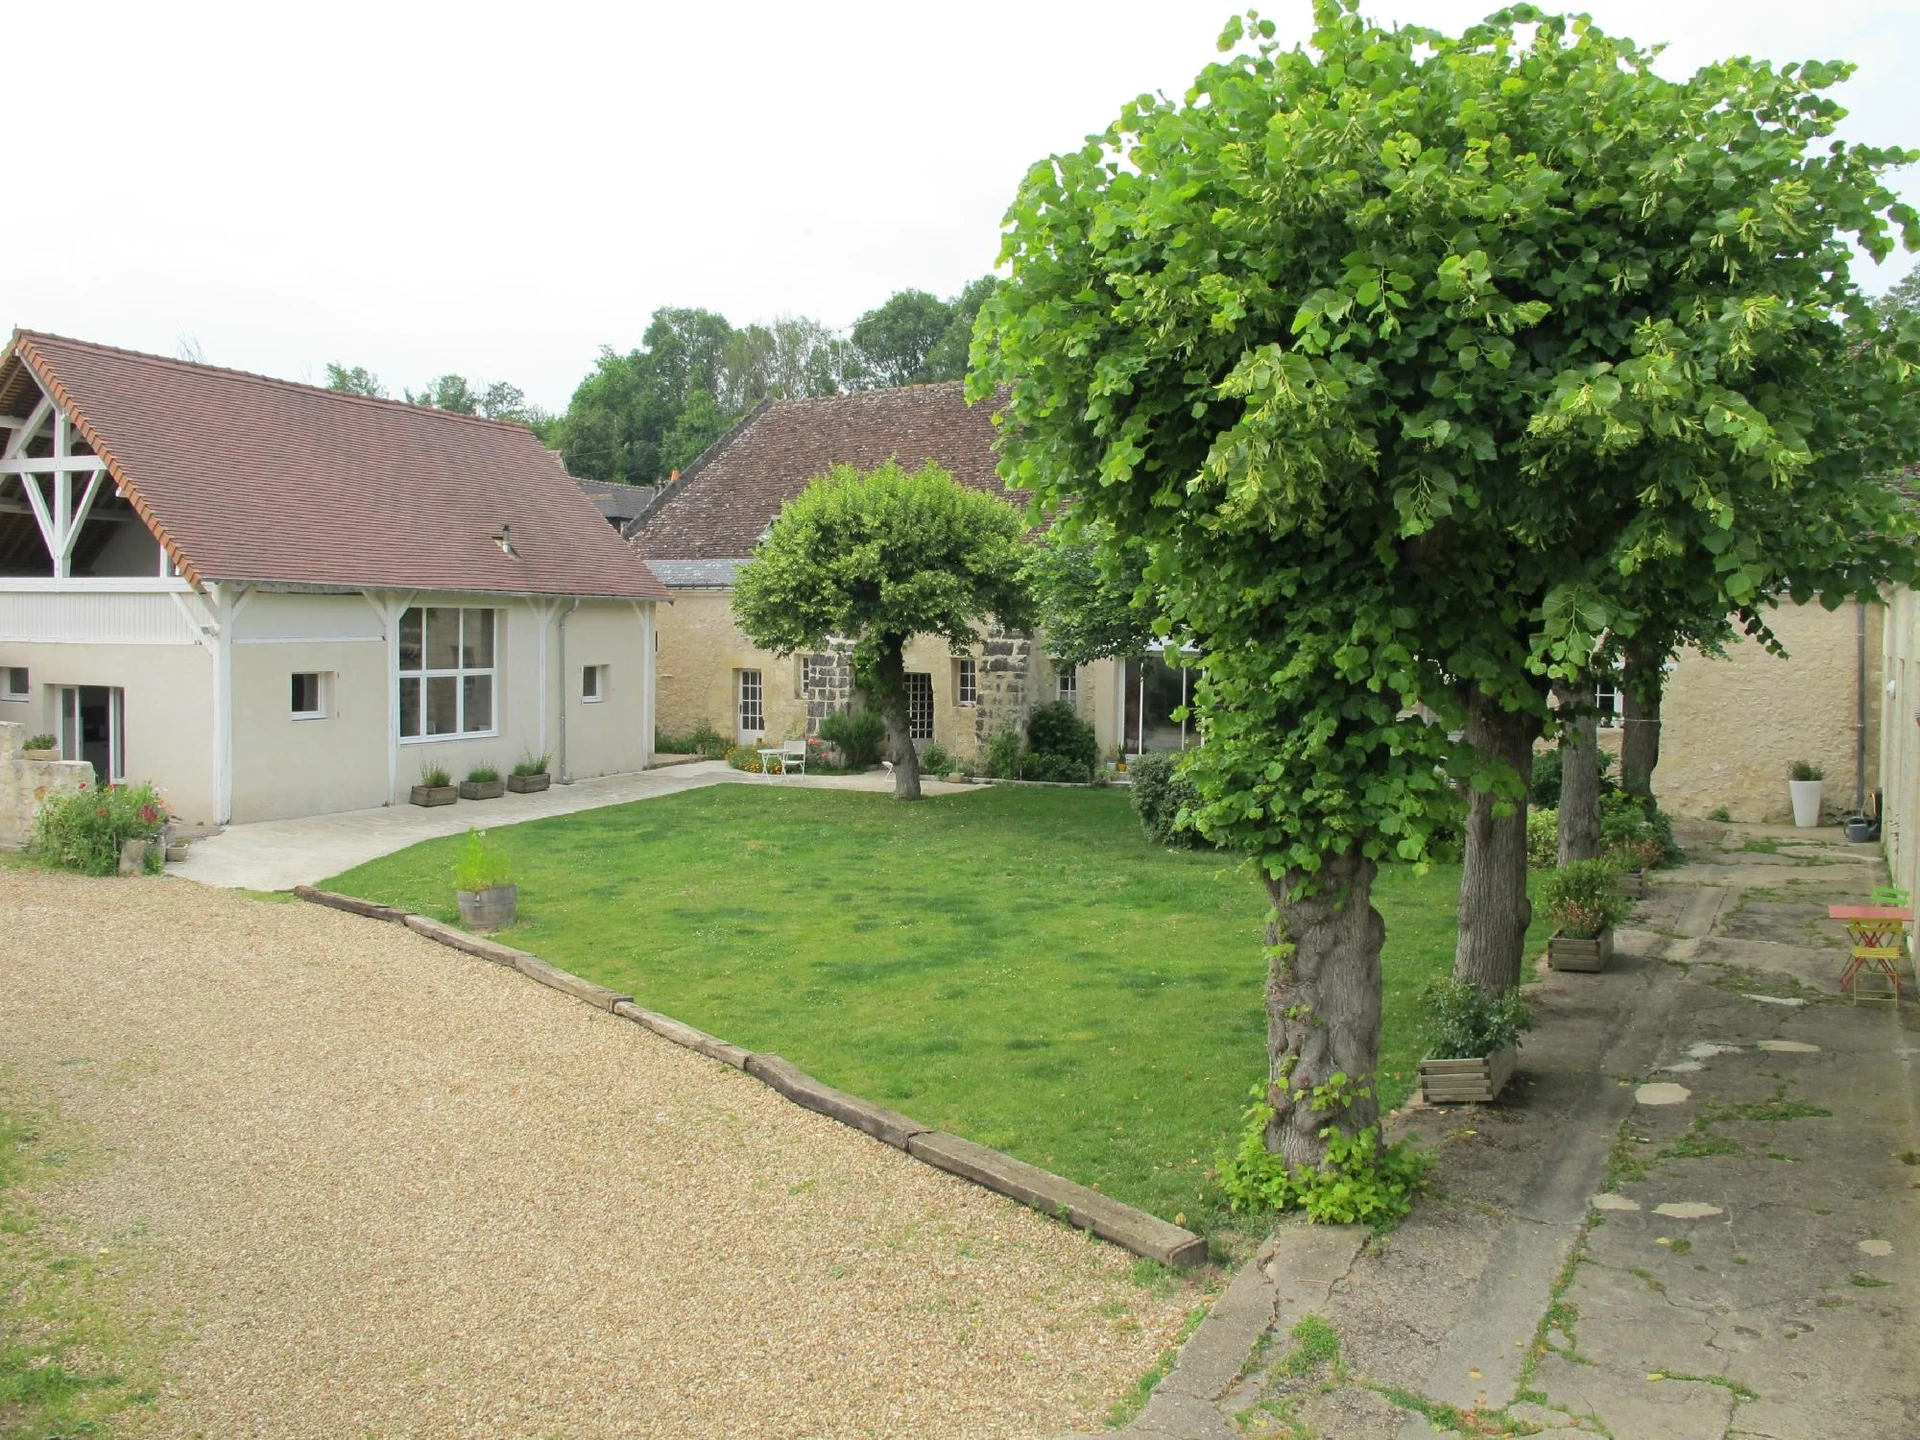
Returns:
<point x="279" y="854"/>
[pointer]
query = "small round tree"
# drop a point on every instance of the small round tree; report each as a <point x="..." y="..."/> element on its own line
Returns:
<point x="878" y="558"/>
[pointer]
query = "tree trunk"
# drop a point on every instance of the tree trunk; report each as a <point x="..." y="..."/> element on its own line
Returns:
<point x="890" y="698"/>
<point x="1644" y="678"/>
<point x="1579" y="775"/>
<point x="1323" y="1006"/>
<point x="1494" y="909"/>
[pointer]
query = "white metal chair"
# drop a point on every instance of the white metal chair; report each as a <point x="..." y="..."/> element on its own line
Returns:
<point x="793" y="756"/>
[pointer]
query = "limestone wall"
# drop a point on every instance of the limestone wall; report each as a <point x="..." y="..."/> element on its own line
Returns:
<point x="25" y="783"/>
<point x="1733" y="727"/>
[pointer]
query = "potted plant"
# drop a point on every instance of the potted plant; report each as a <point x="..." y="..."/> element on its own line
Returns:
<point x="530" y="776"/>
<point x="1804" y="788"/>
<point x="1473" y="1040"/>
<point x="483" y="885"/>
<point x="483" y="782"/>
<point x="435" y="787"/>
<point x="1629" y="843"/>
<point x="1585" y="903"/>
<point x="42" y="747"/>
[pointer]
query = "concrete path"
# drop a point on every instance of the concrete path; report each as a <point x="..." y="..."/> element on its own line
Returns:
<point x="358" y="1184"/>
<point x="1691" y="1217"/>
<point x="279" y="854"/>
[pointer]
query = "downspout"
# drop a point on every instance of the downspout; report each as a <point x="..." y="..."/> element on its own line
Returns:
<point x="563" y="776"/>
<point x="1860" y="708"/>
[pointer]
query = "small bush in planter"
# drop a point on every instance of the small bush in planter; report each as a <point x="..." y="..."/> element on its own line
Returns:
<point x="482" y="775"/>
<point x="530" y="775"/>
<point x="85" y="829"/>
<point x="1160" y="792"/>
<point x="1464" y="1023"/>
<point x="1583" y="900"/>
<point x="532" y="765"/>
<point x="483" y="885"/>
<point x="435" y="777"/>
<point x="1803" y="772"/>
<point x="41" y="742"/>
<point x="858" y="737"/>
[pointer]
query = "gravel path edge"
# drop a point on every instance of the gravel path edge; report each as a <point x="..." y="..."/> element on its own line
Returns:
<point x="1052" y="1195"/>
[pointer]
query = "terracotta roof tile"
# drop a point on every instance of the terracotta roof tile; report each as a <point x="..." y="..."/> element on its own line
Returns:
<point x="248" y="478"/>
<point x="721" y="506"/>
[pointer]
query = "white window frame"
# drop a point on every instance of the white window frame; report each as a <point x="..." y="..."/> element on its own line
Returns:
<point x="25" y="692"/>
<point x="320" y="688"/>
<point x="599" y="675"/>
<point x="459" y="674"/>
<point x="966" y="680"/>
<point x="749" y="696"/>
<point x="1067" y="685"/>
<point x="1610" y="703"/>
<point x="919" y="687"/>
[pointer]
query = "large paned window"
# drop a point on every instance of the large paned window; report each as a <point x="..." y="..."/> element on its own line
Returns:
<point x="919" y="705"/>
<point x="446" y="672"/>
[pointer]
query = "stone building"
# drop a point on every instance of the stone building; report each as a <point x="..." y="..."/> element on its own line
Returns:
<point x="705" y="524"/>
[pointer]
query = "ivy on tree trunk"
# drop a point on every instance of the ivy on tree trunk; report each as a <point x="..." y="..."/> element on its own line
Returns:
<point x="1323" y="1005"/>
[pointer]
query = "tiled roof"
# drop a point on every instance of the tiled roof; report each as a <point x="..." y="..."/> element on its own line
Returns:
<point x="619" y="503"/>
<point x="251" y="479"/>
<point x="696" y="574"/>
<point x="719" y="509"/>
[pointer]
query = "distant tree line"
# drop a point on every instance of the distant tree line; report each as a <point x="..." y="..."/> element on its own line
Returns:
<point x="638" y="417"/>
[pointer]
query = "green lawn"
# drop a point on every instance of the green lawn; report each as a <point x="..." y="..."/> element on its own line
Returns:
<point x="1018" y="966"/>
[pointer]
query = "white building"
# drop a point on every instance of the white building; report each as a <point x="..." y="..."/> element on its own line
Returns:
<point x="275" y="600"/>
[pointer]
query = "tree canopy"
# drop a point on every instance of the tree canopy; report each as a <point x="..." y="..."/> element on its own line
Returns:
<point x="877" y="558"/>
<point x="1405" y="355"/>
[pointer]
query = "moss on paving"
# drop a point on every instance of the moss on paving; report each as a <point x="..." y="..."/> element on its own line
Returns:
<point x="1019" y="966"/>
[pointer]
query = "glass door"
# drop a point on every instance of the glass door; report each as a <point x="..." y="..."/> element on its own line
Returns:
<point x="93" y="727"/>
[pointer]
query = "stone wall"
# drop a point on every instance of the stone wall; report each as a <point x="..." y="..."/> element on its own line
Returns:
<point x="25" y="783"/>
<point x="1898" y="705"/>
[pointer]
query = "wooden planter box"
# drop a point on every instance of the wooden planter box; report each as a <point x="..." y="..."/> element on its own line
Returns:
<point x="1458" y="1082"/>
<point x="1633" y="884"/>
<point x="433" y="795"/>
<point x="529" y="784"/>
<point x="1588" y="956"/>
<point x="482" y="789"/>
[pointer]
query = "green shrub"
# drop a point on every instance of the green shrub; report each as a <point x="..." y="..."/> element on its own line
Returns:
<point x="1160" y="794"/>
<point x="1055" y="730"/>
<point x="1635" y="837"/>
<point x="1543" y="791"/>
<point x="532" y="765"/>
<point x="481" y="866"/>
<point x="1060" y="769"/>
<point x="1004" y="755"/>
<point x="1583" y="900"/>
<point x="702" y="740"/>
<point x="83" y="830"/>
<point x="482" y="775"/>
<point x="1543" y="839"/>
<point x="41" y="742"/>
<point x="1804" y="771"/>
<point x="745" y="757"/>
<point x="857" y="735"/>
<point x="435" y="777"/>
<point x="934" y="760"/>
<point x="1360" y="1181"/>
<point x="1463" y="1023"/>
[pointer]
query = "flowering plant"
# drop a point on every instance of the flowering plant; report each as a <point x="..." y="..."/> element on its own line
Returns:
<point x="84" y="830"/>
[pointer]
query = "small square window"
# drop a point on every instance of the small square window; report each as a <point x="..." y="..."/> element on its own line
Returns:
<point x="309" y="696"/>
<point x="16" y="687"/>
<point x="966" y="681"/>
<point x="593" y="683"/>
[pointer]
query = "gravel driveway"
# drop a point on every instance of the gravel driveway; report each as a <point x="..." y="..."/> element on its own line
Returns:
<point x="393" y="1191"/>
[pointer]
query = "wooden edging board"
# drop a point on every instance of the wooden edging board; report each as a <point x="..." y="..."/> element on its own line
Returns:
<point x="1123" y="1225"/>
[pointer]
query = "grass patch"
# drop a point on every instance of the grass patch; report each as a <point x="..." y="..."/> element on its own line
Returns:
<point x="68" y="1360"/>
<point x="1866" y="1281"/>
<point x="1771" y="1112"/>
<point x="1135" y="1400"/>
<point x="1696" y="1143"/>
<point x="1019" y="966"/>
<point x="1624" y="1161"/>
<point x="1315" y="1343"/>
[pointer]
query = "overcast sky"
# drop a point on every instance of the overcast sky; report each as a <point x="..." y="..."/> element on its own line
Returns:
<point x="501" y="190"/>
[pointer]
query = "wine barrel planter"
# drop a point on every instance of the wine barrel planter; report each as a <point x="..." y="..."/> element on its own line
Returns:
<point x="482" y="789"/>
<point x="1564" y="952"/>
<point x="488" y="909"/>
<point x="1459" y="1082"/>
<point x="433" y="795"/>
<point x="529" y="784"/>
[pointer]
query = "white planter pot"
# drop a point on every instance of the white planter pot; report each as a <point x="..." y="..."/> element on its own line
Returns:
<point x="1806" y="802"/>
